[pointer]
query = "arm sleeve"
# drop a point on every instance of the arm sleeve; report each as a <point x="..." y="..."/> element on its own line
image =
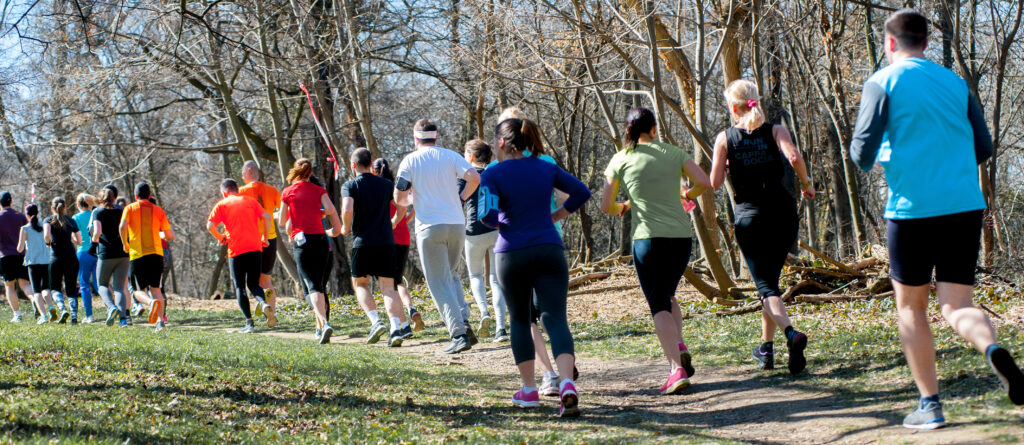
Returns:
<point x="982" y="138"/>
<point x="871" y="122"/>
<point x="613" y="171"/>
<point x="74" y="226"/>
<point x="345" y="190"/>
<point x="577" y="190"/>
<point x="165" y="224"/>
<point x="215" y="214"/>
<point x="487" y="202"/>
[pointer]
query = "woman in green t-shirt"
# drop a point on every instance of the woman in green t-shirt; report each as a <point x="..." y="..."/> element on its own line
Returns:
<point x="662" y="234"/>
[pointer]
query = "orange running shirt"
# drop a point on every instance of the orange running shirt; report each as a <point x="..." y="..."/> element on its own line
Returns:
<point x="267" y="196"/>
<point x="242" y="217"/>
<point x="145" y="222"/>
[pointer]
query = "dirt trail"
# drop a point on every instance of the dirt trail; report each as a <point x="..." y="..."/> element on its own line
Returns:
<point x="734" y="403"/>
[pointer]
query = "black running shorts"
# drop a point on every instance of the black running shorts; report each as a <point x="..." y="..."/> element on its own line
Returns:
<point x="269" y="256"/>
<point x="947" y="245"/>
<point x="13" y="268"/>
<point x="147" y="271"/>
<point x="373" y="261"/>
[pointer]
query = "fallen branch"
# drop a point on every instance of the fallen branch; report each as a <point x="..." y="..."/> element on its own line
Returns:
<point x="803" y="285"/>
<point x="753" y="307"/>
<point x="829" y="298"/>
<point x="865" y="263"/>
<point x="829" y="260"/>
<point x="588" y="278"/>
<point x="842" y="274"/>
<point x="994" y="314"/>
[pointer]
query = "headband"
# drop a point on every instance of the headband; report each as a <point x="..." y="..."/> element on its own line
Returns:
<point x="427" y="135"/>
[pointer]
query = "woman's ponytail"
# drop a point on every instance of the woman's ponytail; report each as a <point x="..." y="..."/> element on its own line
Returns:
<point x="302" y="170"/>
<point x="639" y="121"/>
<point x="743" y="95"/>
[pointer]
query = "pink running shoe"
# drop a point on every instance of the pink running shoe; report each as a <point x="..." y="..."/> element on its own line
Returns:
<point x="685" y="360"/>
<point x="570" y="400"/>
<point x="676" y="381"/>
<point x="526" y="399"/>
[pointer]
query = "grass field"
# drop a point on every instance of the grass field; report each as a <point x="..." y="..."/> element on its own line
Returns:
<point x="196" y="383"/>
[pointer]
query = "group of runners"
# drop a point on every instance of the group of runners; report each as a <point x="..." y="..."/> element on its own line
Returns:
<point x="500" y="205"/>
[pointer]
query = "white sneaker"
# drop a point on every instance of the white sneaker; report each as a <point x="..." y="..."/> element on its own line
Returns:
<point x="16" y="318"/>
<point x="87" y="320"/>
<point x="549" y="386"/>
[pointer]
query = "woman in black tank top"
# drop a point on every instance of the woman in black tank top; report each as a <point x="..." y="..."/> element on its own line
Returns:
<point x="766" y="218"/>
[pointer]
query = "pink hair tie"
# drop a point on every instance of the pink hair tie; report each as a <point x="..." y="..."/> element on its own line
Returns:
<point x="751" y="103"/>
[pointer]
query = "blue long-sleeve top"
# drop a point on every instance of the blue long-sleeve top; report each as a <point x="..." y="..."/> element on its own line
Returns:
<point x="920" y="122"/>
<point x="515" y="197"/>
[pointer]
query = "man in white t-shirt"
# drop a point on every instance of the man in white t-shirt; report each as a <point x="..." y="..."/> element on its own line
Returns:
<point x="430" y="174"/>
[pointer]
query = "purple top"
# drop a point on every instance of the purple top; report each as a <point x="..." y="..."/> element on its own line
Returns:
<point x="10" y="224"/>
<point x="515" y="197"/>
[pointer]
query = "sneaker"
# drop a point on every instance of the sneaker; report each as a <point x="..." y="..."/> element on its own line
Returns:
<point x="53" y="313"/>
<point x="74" y="321"/>
<point x="526" y="399"/>
<point x="376" y="331"/>
<point x="271" y="318"/>
<point x="459" y="344"/>
<point x="796" y="345"/>
<point x="549" y="385"/>
<point x="471" y="335"/>
<point x="1009" y="374"/>
<point x="570" y="400"/>
<point x="319" y="333"/>
<point x="41" y="320"/>
<point x="325" y="337"/>
<point x="123" y="323"/>
<point x="765" y="359"/>
<point x="677" y="380"/>
<point x="925" y="417"/>
<point x="154" y="310"/>
<point x="87" y="320"/>
<point x="64" y="317"/>
<point x="160" y="325"/>
<point x="396" y="339"/>
<point x="417" y="320"/>
<point x="128" y="321"/>
<point x="685" y="360"/>
<point x="138" y="310"/>
<point x="112" y="316"/>
<point x="485" y="326"/>
<point x="500" y="336"/>
<point x="407" y="332"/>
<point x="16" y="318"/>
<point x="258" y="310"/>
<point x="249" y="328"/>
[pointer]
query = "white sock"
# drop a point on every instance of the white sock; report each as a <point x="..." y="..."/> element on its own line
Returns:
<point x="529" y="389"/>
<point x="17" y="313"/>
<point x="373" y="317"/>
<point x="551" y="375"/>
<point x="396" y="323"/>
<point x="406" y="324"/>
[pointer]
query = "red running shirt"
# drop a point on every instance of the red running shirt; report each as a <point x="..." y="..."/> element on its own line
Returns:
<point x="401" y="231"/>
<point x="304" y="209"/>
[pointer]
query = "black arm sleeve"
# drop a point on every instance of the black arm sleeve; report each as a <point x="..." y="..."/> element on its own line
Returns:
<point x="982" y="138"/>
<point x="871" y="121"/>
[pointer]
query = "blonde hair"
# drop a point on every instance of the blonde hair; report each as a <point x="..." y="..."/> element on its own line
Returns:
<point x="85" y="201"/>
<point x="511" y="113"/>
<point x="743" y="95"/>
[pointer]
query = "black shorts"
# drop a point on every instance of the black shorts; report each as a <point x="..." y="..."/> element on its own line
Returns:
<point x="400" y="258"/>
<point x="947" y="244"/>
<point x="13" y="268"/>
<point x="373" y="261"/>
<point x="660" y="263"/>
<point x="269" y="256"/>
<point x="39" y="276"/>
<point x="147" y="271"/>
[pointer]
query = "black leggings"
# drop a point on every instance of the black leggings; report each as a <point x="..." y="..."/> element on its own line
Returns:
<point x="660" y="263"/>
<point x="765" y="239"/>
<point x="245" y="271"/>
<point x="313" y="259"/>
<point x="541" y="269"/>
<point x="64" y="275"/>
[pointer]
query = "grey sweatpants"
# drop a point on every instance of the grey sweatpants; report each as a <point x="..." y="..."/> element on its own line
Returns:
<point x="112" y="277"/>
<point x="440" y="247"/>
<point x="478" y="249"/>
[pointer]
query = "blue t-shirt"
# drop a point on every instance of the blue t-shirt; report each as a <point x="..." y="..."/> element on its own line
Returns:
<point x="82" y="220"/>
<point x="916" y="115"/>
<point x="520" y="209"/>
<point x="554" y="203"/>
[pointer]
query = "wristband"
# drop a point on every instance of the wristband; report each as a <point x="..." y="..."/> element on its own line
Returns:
<point x="805" y="185"/>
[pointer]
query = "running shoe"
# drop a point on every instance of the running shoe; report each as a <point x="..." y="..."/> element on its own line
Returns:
<point x="549" y="385"/>
<point x="74" y="321"/>
<point x="112" y="316"/>
<point x="319" y="333"/>
<point x="249" y="328"/>
<point x="685" y="360"/>
<point x="570" y="400"/>
<point x="123" y="323"/>
<point x="376" y="331"/>
<point x="258" y="310"/>
<point x="500" y="336"/>
<point x="526" y="399"/>
<point x="796" y="345"/>
<point x="459" y="344"/>
<point x="1009" y="374"/>
<point x="138" y="310"/>
<point x="53" y="313"/>
<point x="164" y="317"/>
<point x="128" y="321"/>
<point x="471" y="335"/>
<point x="16" y="318"/>
<point x="677" y="380"/>
<point x="407" y="332"/>
<point x="417" y="320"/>
<point x="396" y="339"/>
<point x="64" y="317"/>
<point x="271" y="318"/>
<point x="765" y="359"/>
<point x="325" y="337"/>
<point x="927" y="416"/>
<point x="485" y="326"/>
<point x="160" y="326"/>
<point x="41" y="320"/>
<point x="87" y="320"/>
<point x="154" y="311"/>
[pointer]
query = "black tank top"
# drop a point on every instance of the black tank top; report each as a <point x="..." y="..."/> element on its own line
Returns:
<point x="756" y="168"/>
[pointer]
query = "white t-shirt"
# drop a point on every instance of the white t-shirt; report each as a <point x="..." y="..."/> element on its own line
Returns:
<point x="433" y="173"/>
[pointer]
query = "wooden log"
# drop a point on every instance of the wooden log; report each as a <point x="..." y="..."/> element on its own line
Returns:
<point x="842" y="274"/>
<point x="829" y="260"/>
<point x="577" y="281"/>
<point x="802" y="286"/>
<point x="829" y="298"/>
<point x="864" y="264"/>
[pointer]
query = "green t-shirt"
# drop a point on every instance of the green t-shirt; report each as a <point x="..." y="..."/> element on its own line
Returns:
<point x="651" y="175"/>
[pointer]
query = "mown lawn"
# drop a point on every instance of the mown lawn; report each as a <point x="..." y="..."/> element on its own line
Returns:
<point x="92" y="383"/>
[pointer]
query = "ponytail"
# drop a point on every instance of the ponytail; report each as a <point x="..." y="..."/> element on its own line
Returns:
<point x="743" y="95"/>
<point x="32" y="211"/>
<point x="85" y="201"/>
<point x="59" y="210"/>
<point x="108" y="197"/>
<point x="302" y="170"/>
<point x="639" y="121"/>
<point x="382" y="168"/>
<point x="520" y="135"/>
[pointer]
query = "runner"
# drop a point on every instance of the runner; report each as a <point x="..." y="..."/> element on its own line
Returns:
<point x="37" y="260"/>
<point x="142" y="226"/>
<point x="920" y="122"/>
<point x="113" y="263"/>
<point x="430" y="174"/>
<point x="400" y="217"/>
<point x="137" y="308"/>
<point x="12" y="263"/>
<point x="365" y="214"/>
<point x="766" y="222"/>
<point x="662" y="232"/>
<point x="270" y="199"/>
<point x="530" y="256"/>
<point x="246" y="226"/>
<point x="61" y="234"/>
<point x="86" y="253"/>
<point x="480" y="241"/>
<point x="302" y="206"/>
